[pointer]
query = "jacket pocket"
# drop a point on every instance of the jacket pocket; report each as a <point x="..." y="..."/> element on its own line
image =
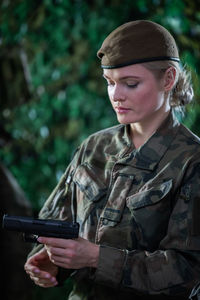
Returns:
<point x="89" y="190"/>
<point x="88" y="182"/>
<point x="150" y="210"/>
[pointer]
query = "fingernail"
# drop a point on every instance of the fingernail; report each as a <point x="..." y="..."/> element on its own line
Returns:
<point x="36" y="271"/>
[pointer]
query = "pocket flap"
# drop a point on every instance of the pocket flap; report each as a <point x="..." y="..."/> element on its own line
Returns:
<point x="89" y="183"/>
<point x="150" y="196"/>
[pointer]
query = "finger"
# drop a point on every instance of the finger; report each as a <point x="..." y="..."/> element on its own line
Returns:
<point x="43" y="277"/>
<point x="37" y="273"/>
<point x="44" y="282"/>
<point x="29" y="268"/>
<point x="64" y="262"/>
<point x="55" y="242"/>
<point x="59" y="255"/>
<point x="57" y="251"/>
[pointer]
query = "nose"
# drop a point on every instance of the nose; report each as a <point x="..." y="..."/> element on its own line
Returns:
<point x="117" y="94"/>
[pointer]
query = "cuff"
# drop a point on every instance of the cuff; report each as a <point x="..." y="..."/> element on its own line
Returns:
<point x="110" y="266"/>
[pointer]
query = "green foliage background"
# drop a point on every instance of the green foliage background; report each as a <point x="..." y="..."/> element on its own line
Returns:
<point x="63" y="99"/>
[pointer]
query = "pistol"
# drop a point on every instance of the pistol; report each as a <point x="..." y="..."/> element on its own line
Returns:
<point x="32" y="228"/>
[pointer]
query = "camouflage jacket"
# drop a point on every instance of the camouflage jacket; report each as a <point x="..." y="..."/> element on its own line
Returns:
<point x="142" y="207"/>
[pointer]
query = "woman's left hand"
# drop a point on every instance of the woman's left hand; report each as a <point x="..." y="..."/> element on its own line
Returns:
<point x="71" y="254"/>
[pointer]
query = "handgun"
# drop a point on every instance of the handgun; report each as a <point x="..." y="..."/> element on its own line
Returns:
<point x="32" y="228"/>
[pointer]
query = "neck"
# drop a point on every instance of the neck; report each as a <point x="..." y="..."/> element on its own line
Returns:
<point x="142" y="131"/>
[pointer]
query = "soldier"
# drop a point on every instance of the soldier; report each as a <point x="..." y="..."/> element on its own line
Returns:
<point x="134" y="188"/>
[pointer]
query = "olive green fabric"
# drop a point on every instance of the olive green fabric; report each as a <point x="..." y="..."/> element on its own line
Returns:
<point x="137" y="42"/>
<point x="138" y="205"/>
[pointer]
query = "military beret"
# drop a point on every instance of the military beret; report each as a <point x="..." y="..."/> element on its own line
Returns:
<point x="137" y="42"/>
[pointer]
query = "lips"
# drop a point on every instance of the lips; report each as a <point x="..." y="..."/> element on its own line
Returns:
<point x="121" y="110"/>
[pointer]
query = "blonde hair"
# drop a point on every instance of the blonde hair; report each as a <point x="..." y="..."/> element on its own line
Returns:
<point x="182" y="92"/>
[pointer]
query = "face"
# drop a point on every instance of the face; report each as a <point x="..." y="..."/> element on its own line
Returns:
<point x="135" y="94"/>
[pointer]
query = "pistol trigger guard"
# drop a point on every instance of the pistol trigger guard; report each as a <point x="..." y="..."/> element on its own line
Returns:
<point x="29" y="237"/>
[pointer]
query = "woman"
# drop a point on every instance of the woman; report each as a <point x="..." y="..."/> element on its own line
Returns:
<point x="133" y="188"/>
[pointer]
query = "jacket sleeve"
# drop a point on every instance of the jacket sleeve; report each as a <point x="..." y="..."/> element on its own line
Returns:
<point x="58" y="204"/>
<point x="174" y="268"/>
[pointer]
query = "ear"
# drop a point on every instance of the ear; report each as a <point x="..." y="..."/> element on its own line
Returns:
<point x="169" y="79"/>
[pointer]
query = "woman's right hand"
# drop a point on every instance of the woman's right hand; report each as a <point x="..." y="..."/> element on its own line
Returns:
<point x="41" y="270"/>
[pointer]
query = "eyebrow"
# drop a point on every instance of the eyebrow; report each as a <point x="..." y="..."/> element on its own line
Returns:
<point x="122" y="78"/>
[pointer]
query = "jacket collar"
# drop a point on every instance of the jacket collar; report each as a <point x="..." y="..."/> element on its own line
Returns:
<point x="150" y="153"/>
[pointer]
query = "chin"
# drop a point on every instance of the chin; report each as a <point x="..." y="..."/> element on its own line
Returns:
<point x="126" y="121"/>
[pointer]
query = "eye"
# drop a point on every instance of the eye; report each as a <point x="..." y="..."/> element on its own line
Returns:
<point x="132" y="85"/>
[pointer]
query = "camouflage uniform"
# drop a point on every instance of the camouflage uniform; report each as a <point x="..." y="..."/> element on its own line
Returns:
<point x="141" y="206"/>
